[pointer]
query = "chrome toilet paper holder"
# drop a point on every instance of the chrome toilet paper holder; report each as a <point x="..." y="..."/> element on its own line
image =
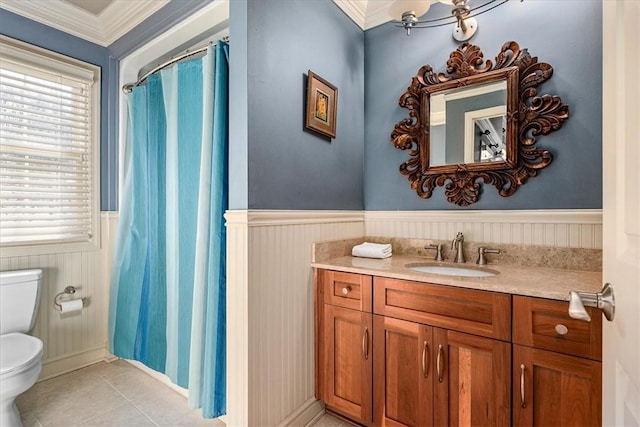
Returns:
<point x="69" y="290"/>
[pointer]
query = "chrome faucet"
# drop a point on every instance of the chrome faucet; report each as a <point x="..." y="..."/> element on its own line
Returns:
<point x="438" y="249"/>
<point x="457" y="245"/>
<point x="482" y="251"/>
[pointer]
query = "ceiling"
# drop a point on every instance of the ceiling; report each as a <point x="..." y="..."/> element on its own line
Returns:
<point x="92" y="6"/>
<point x="104" y="21"/>
<point x="369" y="13"/>
<point x="98" y="21"/>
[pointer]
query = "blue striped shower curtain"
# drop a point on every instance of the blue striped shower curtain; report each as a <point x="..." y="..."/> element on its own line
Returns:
<point x="167" y="297"/>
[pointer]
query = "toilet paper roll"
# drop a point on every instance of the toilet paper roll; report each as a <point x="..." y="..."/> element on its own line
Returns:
<point x="71" y="306"/>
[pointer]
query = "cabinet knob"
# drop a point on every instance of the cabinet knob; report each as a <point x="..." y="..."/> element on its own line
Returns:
<point x="346" y="290"/>
<point x="561" y="329"/>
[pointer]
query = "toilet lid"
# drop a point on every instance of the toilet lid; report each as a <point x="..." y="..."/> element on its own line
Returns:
<point x="18" y="351"/>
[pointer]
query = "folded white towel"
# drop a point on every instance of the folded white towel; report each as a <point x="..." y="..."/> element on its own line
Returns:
<point x="372" y="250"/>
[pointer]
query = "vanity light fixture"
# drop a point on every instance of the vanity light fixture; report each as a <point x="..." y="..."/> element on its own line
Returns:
<point x="463" y="14"/>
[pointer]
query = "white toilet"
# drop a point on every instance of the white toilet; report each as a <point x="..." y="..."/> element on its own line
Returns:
<point x="20" y="354"/>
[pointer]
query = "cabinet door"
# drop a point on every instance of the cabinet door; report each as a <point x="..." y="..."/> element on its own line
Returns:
<point x="403" y="373"/>
<point x="472" y="380"/>
<point x="348" y="357"/>
<point x="552" y="389"/>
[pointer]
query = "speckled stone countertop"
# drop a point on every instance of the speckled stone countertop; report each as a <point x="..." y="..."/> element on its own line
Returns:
<point x="552" y="283"/>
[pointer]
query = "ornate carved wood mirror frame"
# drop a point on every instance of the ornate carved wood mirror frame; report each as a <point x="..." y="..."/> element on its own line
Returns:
<point x="527" y="117"/>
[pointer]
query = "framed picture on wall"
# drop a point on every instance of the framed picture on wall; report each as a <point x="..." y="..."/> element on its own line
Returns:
<point x="322" y="105"/>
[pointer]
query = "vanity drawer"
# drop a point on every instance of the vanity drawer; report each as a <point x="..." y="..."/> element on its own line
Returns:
<point x="545" y="324"/>
<point x="466" y="310"/>
<point x="347" y="290"/>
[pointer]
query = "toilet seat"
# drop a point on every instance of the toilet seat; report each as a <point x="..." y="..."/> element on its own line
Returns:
<point x="18" y="353"/>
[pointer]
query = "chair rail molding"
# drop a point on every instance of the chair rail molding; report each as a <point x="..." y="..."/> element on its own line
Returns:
<point x="262" y="218"/>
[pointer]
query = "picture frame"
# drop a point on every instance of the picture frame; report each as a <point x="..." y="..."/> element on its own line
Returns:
<point x="322" y="106"/>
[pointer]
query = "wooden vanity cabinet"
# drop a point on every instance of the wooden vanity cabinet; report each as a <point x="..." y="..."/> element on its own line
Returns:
<point x="553" y="389"/>
<point x="344" y="334"/>
<point x="425" y="376"/>
<point x="481" y="313"/>
<point x="400" y="353"/>
<point x="474" y="390"/>
<point x="432" y="374"/>
<point x="348" y="361"/>
<point x="557" y="365"/>
<point x="403" y="373"/>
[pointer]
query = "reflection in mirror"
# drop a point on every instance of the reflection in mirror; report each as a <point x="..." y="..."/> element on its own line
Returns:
<point x="468" y="125"/>
<point x="488" y="143"/>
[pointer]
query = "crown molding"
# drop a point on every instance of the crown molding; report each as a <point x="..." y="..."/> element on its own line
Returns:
<point x="60" y="15"/>
<point x="354" y="9"/>
<point x="366" y="13"/>
<point x="103" y="29"/>
<point x="122" y="16"/>
<point x="377" y="13"/>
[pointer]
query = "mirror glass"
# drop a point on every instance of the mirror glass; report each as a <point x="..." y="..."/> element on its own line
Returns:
<point x="468" y="125"/>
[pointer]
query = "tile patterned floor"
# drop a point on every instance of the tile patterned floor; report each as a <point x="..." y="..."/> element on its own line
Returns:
<point x="116" y="394"/>
<point x="331" y="420"/>
<point x="107" y="394"/>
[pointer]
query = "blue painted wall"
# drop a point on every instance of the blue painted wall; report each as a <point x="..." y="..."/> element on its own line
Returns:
<point x="568" y="38"/>
<point x="288" y="167"/>
<point x="238" y="106"/>
<point x="37" y="34"/>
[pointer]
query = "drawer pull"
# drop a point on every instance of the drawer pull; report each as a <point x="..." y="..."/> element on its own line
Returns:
<point x="439" y="363"/>
<point x="523" y="403"/>
<point x="365" y="344"/>
<point x="346" y="290"/>
<point x="561" y="329"/>
<point x="425" y="365"/>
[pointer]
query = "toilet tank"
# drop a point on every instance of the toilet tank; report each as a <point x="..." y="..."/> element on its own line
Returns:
<point x="19" y="300"/>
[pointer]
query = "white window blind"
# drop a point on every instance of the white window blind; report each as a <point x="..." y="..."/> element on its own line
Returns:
<point x="46" y="152"/>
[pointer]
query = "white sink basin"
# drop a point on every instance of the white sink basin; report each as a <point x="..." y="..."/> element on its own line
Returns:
<point x="447" y="270"/>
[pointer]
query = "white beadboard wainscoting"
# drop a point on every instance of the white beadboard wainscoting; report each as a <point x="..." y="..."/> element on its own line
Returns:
<point x="270" y="339"/>
<point x="564" y="228"/>
<point x="72" y="340"/>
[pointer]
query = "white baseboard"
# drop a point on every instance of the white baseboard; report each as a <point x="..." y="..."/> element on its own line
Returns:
<point x="317" y="418"/>
<point x="160" y="377"/>
<point x="71" y="362"/>
<point x="305" y="415"/>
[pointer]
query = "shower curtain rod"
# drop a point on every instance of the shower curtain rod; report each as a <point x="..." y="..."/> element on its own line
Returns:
<point x="128" y="88"/>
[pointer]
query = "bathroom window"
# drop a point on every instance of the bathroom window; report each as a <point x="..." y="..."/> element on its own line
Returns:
<point x="49" y="127"/>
